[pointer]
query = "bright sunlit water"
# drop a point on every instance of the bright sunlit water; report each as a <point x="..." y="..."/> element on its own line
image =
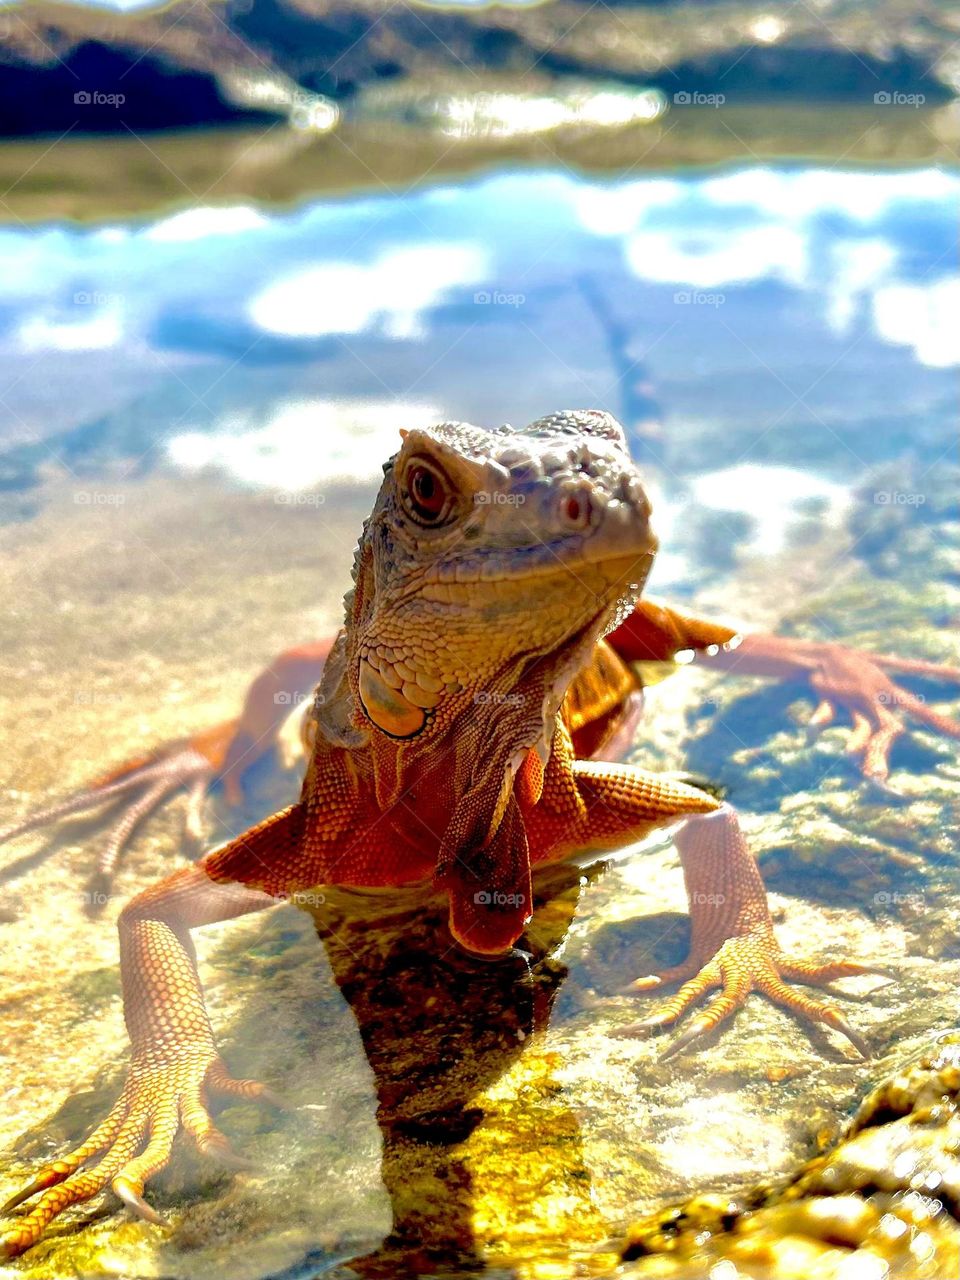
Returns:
<point x="763" y="333"/>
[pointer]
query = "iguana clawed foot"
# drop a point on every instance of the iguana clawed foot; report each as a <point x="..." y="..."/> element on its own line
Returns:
<point x="752" y="962"/>
<point x="732" y="943"/>
<point x="141" y="787"/>
<point x="858" y="682"/>
<point x="852" y="680"/>
<point x="134" y="1142"/>
<point x="216" y="755"/>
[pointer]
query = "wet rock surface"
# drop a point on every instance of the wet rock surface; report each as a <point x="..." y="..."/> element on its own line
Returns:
<point x="883" y="1202"/>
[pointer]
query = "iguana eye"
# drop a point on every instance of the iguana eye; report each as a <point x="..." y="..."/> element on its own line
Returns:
<point x="427" y="494"/>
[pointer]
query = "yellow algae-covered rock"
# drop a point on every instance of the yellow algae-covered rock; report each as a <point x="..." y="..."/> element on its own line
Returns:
<point x="882" y="1204"/>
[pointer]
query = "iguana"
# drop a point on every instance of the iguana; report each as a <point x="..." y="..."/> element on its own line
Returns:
<point x="486" y="663"/>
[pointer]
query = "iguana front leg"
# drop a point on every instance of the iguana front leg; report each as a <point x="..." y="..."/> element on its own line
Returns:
<point x="732" y="944"/>
<point x="175" y="1068"/>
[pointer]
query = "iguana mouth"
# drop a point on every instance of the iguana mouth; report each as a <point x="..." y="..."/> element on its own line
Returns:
<point x="548" y="560"/>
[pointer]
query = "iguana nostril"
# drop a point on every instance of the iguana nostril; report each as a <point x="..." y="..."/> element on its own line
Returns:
<point x="576" y="510"/>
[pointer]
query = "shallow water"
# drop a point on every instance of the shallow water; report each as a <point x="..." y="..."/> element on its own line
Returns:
<point x="196" y="407"/>
<point x="791" y="319"/>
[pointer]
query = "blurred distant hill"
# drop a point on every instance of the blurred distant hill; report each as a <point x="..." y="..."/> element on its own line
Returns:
<point x="92" y="70"/>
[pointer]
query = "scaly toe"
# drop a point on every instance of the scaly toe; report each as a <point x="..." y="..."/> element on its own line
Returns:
<point x="277" y="1100"/>
<point x="881" y="786"/>
<point x="632" y="1031"/>
<point x="649" y="983"/>
<point x="654" y="981"/>
<point x="219" y="1149"/>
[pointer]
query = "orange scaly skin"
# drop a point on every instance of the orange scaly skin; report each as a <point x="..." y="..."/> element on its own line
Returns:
<point x="449" y="742"/>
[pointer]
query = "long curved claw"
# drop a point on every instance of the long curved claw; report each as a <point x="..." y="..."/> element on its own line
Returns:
<point x="39" y="1183"/>
<point x="224" y="1154"/>
<point x="813" y="1010"/>
<point x="859" y="739"/>
<point x="824" y="715"/>
<point x="833" y="1018"/>
<point x="654" y="981"/>
<point x="193" y="830"/>
<point x="275" y="1099"/>
<point x="695" y="1030"/>
<point x="135" y="1202"/>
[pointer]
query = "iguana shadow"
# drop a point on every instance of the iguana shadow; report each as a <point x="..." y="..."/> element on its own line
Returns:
<point x="439" y="1028"/>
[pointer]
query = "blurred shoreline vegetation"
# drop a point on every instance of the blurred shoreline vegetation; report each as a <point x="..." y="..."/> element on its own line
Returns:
<point x="318" y="97"/>
<point x="277" y="167"/>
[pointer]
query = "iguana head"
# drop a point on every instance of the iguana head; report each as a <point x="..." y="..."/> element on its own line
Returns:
<point x="488" y="549"/>
<point x="492" y="563"/>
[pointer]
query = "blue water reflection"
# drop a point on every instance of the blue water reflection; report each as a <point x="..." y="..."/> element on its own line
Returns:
<point x="800" y="321"/>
